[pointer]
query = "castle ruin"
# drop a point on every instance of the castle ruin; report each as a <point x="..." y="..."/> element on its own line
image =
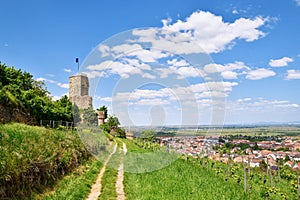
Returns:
<point x="79" y="91"/>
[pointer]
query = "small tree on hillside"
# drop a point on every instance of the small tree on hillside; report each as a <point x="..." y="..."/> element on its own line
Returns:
<point x="112" y="127"/>
<point x="148" y="135"/>
<point x="89" y="116"/>
<point x="113" y="122"/>
<point x="76" y="114"/>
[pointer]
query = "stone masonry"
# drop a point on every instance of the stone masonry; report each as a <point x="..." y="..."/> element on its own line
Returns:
<point x="79" y="91"/>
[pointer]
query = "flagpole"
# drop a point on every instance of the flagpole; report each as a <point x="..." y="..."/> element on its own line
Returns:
<point x="77" y="61"/>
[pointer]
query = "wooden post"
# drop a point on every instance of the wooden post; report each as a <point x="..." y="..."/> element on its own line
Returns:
<point x="201" y="157"/>
<point x="278" y="168"/>
<point x="249" y="174"/>
<point x="267" y="169"/>
<point x="228" y="175"/>
<point x="271" y="178"/>
<point x="245" y="176"/>
<point x="297" y="170"/>
<point x="207" y="159"/>
<point x="249" y="166"/>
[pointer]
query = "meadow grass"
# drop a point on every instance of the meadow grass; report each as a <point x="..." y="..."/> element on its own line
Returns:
<point x="33" y="158"/>
<point x="76" y="185"/>
<point x="108" y="190"/>
<point x="189" y="178"/>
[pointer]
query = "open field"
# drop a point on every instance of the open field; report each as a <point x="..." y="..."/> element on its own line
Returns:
<point x="251" y="131"/>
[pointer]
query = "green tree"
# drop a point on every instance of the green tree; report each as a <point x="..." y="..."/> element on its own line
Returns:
<point x="113" y="122"/>
<point x="89" y="116"/>
<point x="20" y="92"/>
<point x="76" y="114"/>
<point x="148" y="135"/>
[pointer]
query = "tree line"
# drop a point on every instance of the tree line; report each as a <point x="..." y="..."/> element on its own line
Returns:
<point x="20" y="91"/>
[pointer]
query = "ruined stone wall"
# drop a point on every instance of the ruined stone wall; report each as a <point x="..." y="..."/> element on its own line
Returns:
<point x="83" y="102"/>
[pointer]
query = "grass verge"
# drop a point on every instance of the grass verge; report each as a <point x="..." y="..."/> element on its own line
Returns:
<point x="76" y="185"/>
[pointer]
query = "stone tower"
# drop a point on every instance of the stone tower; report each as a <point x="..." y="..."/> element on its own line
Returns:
<point x="79" y="91"/>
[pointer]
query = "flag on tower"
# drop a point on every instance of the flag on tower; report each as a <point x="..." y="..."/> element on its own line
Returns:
<point x="77" y="61"/>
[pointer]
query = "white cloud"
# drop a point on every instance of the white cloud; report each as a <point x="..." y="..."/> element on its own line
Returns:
<point x="293" y="74"/>
<point x="148" y="55"/>
<point x="215" y="35"/>
<point x="50" y="75"/>
<point x="260" y="74"/>
<point x="63" y="85"/>
<point x="192" y="93"/>
<point x="264" y="103"/>
<point x="102" y="66"/>
<point x="188" y="72"/>
<point x="149" y="76"/>
<point x="106" y="99"/>
<point x="114" y="67"/>
<point x="94" y="74"/>
<point x="280" y="62"/>
<point x="57" y="97"/>
<point x="177" y="63"/>
<point x="297" y="2"/>
<point x="40" y="79"/>
<point x="229" y="75"/>
<point x="228" y="71"/>
<point x="244" y="100"/>
<point x="126" y="48"/>
<point x="104" y="49"/>
<point x="152" y="102"/>
<point x="260" y="104"/>
<point x="67" y="70"/>
<point x="165" y="72"/>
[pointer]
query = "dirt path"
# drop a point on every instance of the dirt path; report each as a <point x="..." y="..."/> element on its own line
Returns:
<point x="96" y="188"/>
<point x="120" y="178"/>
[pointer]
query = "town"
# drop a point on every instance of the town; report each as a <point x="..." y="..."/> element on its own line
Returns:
<point x="252" y="150"/>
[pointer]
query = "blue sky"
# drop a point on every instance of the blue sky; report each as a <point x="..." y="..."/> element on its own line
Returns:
<point x="242" y="65"/>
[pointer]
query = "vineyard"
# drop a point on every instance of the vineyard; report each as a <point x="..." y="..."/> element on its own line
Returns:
<point x="201" y="178"/>
<point x="40" y="163"/>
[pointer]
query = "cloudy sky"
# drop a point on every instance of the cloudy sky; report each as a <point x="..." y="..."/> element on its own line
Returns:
<point x="161" y="63"/>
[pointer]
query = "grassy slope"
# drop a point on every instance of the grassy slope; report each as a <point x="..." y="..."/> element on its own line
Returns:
<point x="23" y="147"/>
<point x="33" y="158"/>
<point x="190" y="180"/>
<point x="108" y="190"/>
<point x="181" y="180"/>
<point x="76" y="185"/>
